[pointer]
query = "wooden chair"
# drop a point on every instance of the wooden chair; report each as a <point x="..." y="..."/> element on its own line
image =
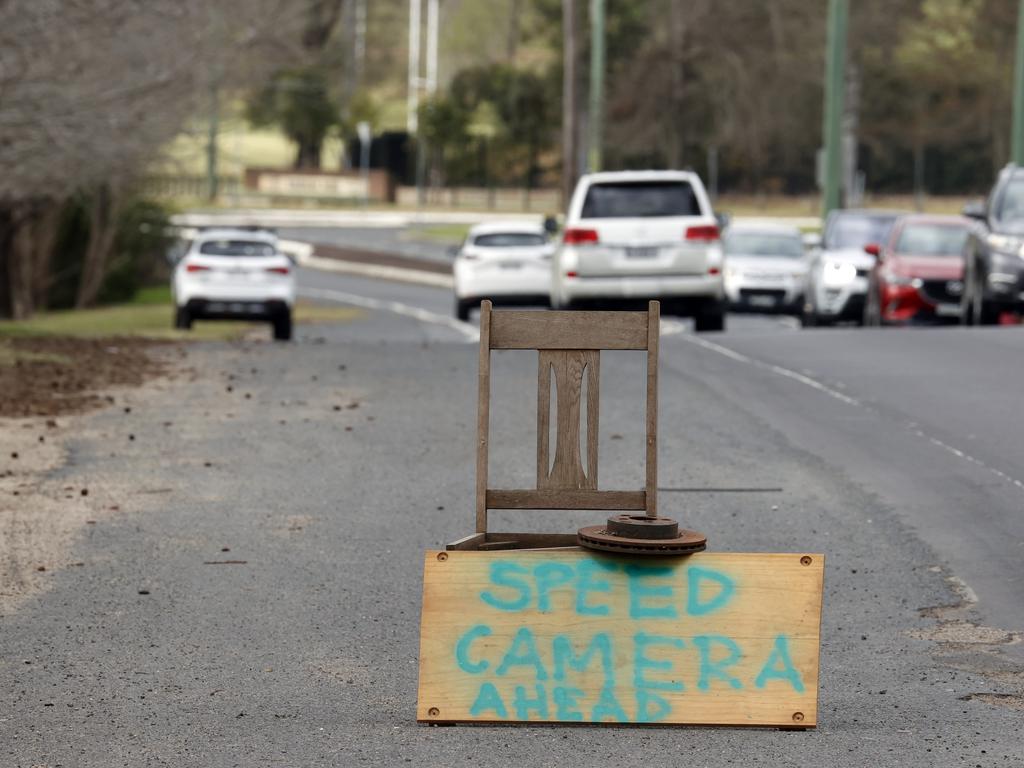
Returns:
<point x="569" y="348"/>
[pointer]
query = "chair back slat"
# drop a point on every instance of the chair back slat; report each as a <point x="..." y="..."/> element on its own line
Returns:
<point x="568" y="330"/>
<point x="568" y="369"/>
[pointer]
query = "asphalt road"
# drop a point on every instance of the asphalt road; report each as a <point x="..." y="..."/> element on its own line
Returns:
<point x="328" y="466"/>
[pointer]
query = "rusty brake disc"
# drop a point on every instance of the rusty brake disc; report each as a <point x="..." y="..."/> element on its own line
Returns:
<point x="641" y="535"/>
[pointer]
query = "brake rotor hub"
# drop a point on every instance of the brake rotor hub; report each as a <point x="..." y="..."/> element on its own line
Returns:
<point x="641" y="535"/>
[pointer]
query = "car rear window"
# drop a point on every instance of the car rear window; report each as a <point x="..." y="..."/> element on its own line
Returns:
<point x="640" y="199"/>
<point x="932" y="240"/>
<point x="509" y="239"/>
<point x="855" y="231"/>
<point x="763" y="244"/>
<point x="236" y="248"/>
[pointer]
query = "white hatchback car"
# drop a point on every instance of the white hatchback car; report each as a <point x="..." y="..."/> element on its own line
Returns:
<point x="235" y="274"/>
<point x="508" y="263"/>
<point x="632" y="236"/>
<point x="765" y="267"/>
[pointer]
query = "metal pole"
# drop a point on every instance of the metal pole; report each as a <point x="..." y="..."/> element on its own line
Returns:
<point x="713" y="173"/>
<point x="570" y="130"/>
<point x="1017" y="140"/>
<point x="211" y="143"/>
<point x="432" y="21"/>
<point x="596" y="119"/>
<point x="359" y="49"/>
<point x="835" y="62"/>
<point x="411" y="122"/>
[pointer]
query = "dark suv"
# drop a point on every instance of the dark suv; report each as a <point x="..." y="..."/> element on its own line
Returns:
<point x="994" y="253"/>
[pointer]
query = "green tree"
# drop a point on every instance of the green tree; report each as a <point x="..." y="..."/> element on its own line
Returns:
<point x="299" y="103"/>
<point x="443" y="128"/>
<point x="524" y="116"/>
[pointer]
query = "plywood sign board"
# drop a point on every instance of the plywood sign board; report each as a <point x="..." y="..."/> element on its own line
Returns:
<point x="572" y="636"/>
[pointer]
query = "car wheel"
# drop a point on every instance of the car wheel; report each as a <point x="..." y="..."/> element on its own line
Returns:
<point x="183" y="319"/>
<point x="710" y="317"/>
<point x="872" y="311"/>
<point x="283" y="326"/>
<point x="981" y="314"/>
<point x="808" y="316"/>
<point x="966" y="307"/>
<point x="462" y="309"/>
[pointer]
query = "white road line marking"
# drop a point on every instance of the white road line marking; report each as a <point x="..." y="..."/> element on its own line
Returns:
<point x="789" y="322"/>
<point x="803" y="379"/>
<point x="720" y="349"/>
<point x="468" y="331"/>
<point x="777" y="369"/>
<point x="671" y="327"/>
<point x="967" y="457"/>
<point x="814" y="383"/>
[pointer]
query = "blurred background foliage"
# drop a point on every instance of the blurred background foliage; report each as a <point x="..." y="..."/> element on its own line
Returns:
<point x="285" y="82"/>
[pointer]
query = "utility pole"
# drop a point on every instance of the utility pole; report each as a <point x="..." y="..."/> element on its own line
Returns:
<point x="429" y="81"/>
<point x="359" y="49"/>
<point x="212" y="182"/>
<point x="432" y="24"/>
<point x="596" y="120"/>
<point x="835" y="65"/>
<point x="570" y="130"/>
<point x="1017" y="140"/>
<point x="411" y="121"/>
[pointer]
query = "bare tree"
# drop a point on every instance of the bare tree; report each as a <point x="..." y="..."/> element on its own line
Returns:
<point x="90" y="90"/>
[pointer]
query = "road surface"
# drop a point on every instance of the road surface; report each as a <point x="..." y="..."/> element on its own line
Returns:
<point x="254" y="597"/>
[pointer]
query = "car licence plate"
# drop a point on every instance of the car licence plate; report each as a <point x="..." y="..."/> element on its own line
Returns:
<point x="641" y="252"/>
<point x="511" y="264"/>
<point x="762" y="301"/>
<point x="947" y="310"/>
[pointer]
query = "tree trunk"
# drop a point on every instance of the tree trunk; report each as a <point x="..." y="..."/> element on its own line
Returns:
<point x="19" y="226"/>
<point x="308" y="155"/>
<point x="102" y="229"/>
<point x="47" y="226"/>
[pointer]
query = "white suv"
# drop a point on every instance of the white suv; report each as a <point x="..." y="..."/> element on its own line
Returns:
<point x="235" y="274"/>
<point x="632" y="236"/>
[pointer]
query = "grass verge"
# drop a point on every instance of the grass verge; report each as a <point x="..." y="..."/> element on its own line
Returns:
<point x="150" y="315"/>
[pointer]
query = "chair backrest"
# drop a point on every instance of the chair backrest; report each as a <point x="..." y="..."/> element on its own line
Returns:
<point x="569" y="348"/>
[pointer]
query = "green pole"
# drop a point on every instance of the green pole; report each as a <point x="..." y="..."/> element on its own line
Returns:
<point x="594" y="155"/>
<point x="1017" y="140"/>
<point x="835" y="70"/>
<point x="211" y="144"/>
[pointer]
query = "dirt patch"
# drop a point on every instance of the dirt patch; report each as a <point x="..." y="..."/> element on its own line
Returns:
<point x="960" y="632"/>
<point x="962" y="643"/>
<point x="1007" y="700"/>
<point x="53" y="375"/>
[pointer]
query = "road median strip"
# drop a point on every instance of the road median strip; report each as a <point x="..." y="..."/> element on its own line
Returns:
<point x="382" y="266"/>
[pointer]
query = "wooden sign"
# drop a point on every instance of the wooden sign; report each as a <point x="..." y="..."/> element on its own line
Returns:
<point x="572" y="636"/>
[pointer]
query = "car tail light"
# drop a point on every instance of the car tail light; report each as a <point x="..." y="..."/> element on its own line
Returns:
<point x="196" y="268"/>
<point x="572" y="274"/>
<point x="576" y="236"/>
<point x="278" y="270"/>
<point x="713" y="270"/>
<point x="705" y="232"/>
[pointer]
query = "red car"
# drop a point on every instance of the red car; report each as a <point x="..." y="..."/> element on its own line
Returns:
<point x="919" y="272"/>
